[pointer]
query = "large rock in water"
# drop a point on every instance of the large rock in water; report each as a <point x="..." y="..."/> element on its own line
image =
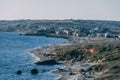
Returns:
<point x="47" y="62"/>
<point x="19" y="72"/>
<point x="34" y="71"/>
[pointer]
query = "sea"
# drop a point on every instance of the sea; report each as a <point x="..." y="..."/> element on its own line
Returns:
<point x="14" y="56"/>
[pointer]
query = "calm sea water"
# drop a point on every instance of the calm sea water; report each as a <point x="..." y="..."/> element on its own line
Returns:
<point x="14" y="56"/>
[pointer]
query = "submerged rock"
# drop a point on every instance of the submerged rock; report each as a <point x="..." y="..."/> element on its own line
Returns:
<point x="34" y="71"/>
<point x="43" y="70"/>
<point x="19" y="72"/>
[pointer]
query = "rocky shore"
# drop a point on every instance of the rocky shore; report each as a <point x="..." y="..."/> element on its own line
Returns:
<point x="92" y="53"/>
<point x="84" y="61"/>
<point x="76" y="71"/>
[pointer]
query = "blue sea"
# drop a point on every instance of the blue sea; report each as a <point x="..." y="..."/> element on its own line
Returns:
<point x="14" y="56"/>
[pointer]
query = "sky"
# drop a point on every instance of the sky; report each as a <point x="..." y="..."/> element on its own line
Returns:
<point x="60" y="9"/>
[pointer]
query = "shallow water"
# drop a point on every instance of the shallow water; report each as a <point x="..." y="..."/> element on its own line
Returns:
<point x="14" y="56"/>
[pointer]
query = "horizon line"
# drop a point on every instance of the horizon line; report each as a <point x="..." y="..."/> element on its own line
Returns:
<point x="59" y="19"/>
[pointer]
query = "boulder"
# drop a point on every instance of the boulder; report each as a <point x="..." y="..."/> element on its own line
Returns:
<point x="19" y="72"/>
<point x="71" y="73"/>
<point x="34" y="71"/>
<point x="47" y="62"/>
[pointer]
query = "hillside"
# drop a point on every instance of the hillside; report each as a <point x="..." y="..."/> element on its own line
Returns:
<point x="104" y="55"/>
<point x="65" y="28"/>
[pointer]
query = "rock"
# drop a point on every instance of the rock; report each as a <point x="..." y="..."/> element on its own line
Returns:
<point x="47" y="62"/>
<point x="43" y="70"/>
<point x="19" y="72"/>
<point x="82" y="70"/>
<point x="71" y="73"/>
<point x="34" y="71"/>
<point x="89" y="69"/>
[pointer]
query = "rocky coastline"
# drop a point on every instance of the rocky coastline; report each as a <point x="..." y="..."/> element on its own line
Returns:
<point x="94" y="44"/>
<point x="83" y="61"/>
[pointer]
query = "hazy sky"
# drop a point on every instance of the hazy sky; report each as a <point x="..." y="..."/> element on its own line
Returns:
<point x="60" y="9"/>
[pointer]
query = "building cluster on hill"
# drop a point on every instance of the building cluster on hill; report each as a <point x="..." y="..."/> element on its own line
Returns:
<point x="64" y="28"/>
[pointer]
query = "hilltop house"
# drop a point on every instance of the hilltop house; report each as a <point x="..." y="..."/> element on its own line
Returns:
<point x="75" y="34"/>
<point x="118" y="35"/>
<point x="57" y="32"/>
<point x="66" y="32"/>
